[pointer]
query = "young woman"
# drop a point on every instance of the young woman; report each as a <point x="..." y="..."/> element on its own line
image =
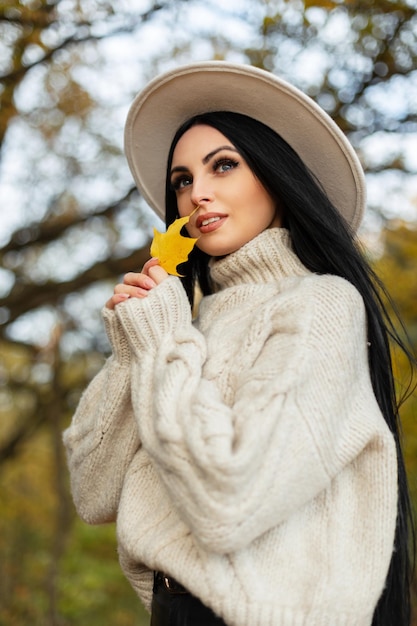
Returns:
<point x="251" y="456"/>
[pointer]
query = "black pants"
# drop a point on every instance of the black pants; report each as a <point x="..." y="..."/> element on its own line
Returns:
<point x="177" y="607"/>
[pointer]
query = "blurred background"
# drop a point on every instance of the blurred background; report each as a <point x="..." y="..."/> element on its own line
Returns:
<point x="71" y="223"/>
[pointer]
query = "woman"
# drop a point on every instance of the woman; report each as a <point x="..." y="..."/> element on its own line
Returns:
<point x="251" y="457"/>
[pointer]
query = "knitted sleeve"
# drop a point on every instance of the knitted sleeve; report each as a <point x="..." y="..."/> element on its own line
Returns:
<point x="303" y="407"/>
<point x="103" y="437"/>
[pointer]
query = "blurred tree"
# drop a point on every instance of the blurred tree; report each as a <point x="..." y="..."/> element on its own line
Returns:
<point x="68" y="69"/>
<point x="396" y="263"/>
<point x="357" y="59"/>
<point x="71" y="221"/>
<point x="397" y="268"/>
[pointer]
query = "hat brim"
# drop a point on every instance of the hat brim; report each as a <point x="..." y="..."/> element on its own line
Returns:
<point x="174" y="97"/>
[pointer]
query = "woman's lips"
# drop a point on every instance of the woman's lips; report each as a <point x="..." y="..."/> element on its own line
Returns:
<point x="209" y="222"/>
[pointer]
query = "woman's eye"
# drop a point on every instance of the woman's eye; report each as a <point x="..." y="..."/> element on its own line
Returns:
<point x="179" y="183"/>
<point x="224" y="165"/>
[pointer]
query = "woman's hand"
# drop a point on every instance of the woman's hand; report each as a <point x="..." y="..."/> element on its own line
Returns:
<point x="138" y="285"/>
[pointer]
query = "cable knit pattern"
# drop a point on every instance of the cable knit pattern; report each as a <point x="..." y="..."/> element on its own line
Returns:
<point x="244" y="453"/>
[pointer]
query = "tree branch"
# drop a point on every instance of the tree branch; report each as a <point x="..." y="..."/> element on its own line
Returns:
<point x="45" y="232"/>
<point x="374" y="77"/>
<point x="24" y="298"/>
<point x="17" y="73"/>
<point x="11" y="447"/>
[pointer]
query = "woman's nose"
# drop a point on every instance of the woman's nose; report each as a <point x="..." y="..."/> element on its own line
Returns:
<point x="201" y="191"/>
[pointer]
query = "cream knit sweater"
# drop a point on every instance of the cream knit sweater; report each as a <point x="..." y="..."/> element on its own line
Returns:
<point x="245" y="453"/>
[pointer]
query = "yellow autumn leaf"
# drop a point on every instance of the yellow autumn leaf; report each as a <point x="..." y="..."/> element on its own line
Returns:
<point x="171" y="248"/>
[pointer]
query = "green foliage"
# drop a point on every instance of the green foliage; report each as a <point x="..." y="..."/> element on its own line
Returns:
<point x="79" y="582"/>
<point x="397" y="268"/>
<point x="92" y="588"/>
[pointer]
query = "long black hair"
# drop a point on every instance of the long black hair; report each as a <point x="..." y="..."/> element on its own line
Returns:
<point x="325" y="244"/>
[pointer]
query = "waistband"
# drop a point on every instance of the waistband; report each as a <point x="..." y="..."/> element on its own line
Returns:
<point x="167" y="582"/>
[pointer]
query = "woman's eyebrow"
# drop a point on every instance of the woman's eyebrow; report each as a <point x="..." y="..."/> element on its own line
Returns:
<point x="204" y="160"/>
<point x="179" y="168"/>
<point x="213" y="152"/>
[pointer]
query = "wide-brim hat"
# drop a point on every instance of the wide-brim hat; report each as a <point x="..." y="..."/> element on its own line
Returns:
<point x="177" y="95"/>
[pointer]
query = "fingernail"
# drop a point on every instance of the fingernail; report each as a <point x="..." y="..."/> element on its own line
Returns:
<point x="149" y="283"/>
<point x="123" y="296"/>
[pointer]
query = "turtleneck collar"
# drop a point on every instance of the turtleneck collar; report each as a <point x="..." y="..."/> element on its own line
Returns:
<point x="266" y="258"/>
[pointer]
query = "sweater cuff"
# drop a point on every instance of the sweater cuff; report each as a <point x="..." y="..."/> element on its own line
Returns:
<point x="146" y="321"/>
<point x="117" y="337"/>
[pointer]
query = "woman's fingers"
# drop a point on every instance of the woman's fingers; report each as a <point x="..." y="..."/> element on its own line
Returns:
<point x="124" y="291"/>
<point x="139" y="280"/>
<point x="151" y="263"/>
<point x="152" y="274"/>
<point x="134" y="286"/>
<point x="116" y="299"/>
<point x="157" y="273"/>
<point x="138" y="284"/>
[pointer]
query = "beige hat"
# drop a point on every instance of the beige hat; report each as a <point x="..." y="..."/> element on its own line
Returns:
<point x="174" y="97"/>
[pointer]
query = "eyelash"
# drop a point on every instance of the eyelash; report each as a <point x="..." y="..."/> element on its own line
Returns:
<point x="225" y="161"/>
<point x="176" y="183"/>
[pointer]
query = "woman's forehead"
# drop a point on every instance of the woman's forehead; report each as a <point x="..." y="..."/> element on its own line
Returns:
<point x="199" y="141"/>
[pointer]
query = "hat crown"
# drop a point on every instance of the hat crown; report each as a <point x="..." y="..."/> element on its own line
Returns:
<point x="174" y="97"/>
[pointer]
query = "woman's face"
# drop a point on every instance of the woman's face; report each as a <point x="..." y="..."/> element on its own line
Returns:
<point x="233" y="207"/>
